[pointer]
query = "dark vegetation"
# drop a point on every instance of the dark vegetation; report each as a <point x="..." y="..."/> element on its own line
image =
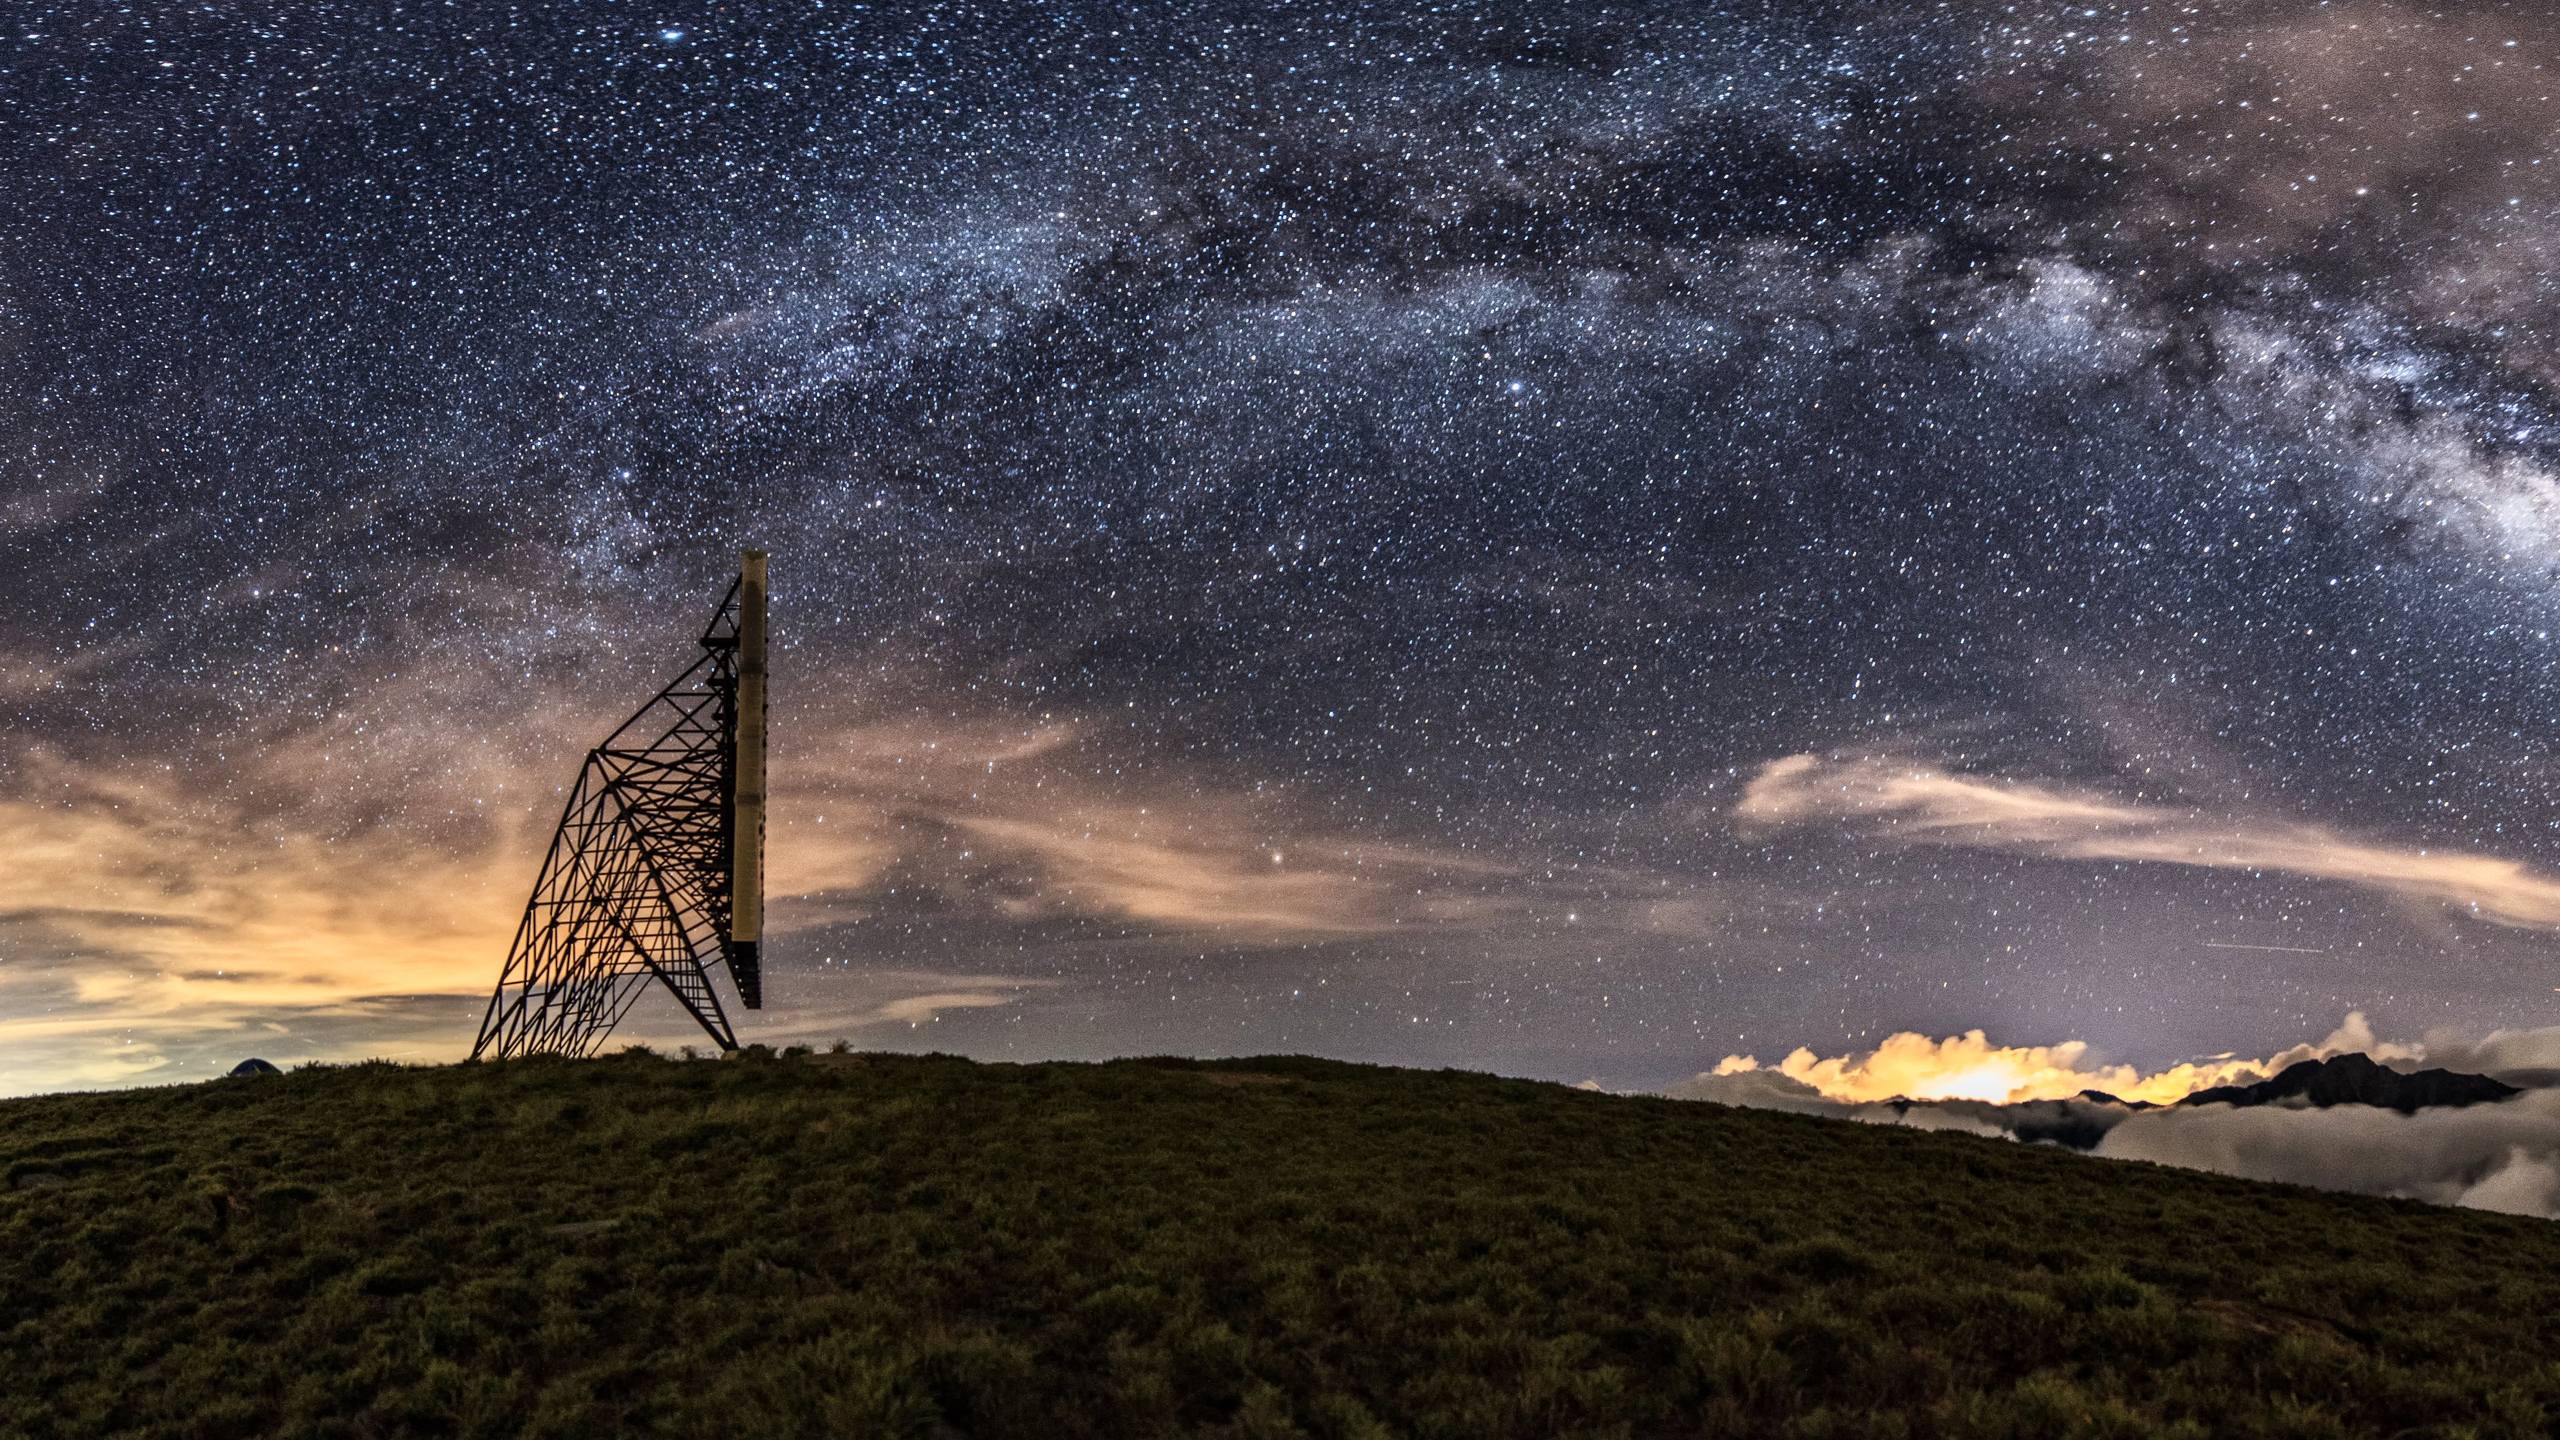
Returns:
<point x="881" y="1246"/>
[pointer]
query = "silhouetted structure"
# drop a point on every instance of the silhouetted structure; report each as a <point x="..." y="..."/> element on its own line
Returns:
<point x="656" y="875"/>
<point x="255" y="1066"/>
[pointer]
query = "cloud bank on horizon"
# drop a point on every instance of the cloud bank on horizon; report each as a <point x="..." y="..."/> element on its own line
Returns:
<point x="1908" y="1066"/>
<point x="2502" y="1155"/>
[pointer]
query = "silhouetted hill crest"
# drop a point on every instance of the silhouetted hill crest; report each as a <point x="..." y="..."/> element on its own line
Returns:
<point x="2101" y="1097"/>
<point x="2359" y="1080"/>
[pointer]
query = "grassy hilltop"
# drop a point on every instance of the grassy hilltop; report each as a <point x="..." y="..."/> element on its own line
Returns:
<point x="926" y="1247"/>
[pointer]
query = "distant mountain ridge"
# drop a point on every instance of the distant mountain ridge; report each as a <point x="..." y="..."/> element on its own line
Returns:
<point x="2359" y="1080"/>
<point x="2101" y="1097"/>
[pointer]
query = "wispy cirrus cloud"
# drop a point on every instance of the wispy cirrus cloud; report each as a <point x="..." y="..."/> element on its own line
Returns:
<point x="1215" y="878"/>
<point x="1010" y="816"/>
<point x="935" y="994"/>
<point x="1924" y="804"/>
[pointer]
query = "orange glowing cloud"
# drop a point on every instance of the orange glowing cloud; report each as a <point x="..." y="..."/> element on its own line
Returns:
<point x="1909" y="1066"/>
<point x="201" y="906"/>
<point x="140" y="915"/>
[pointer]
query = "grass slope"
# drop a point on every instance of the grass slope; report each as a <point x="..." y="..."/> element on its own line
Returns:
<point x="926" y="1247"/>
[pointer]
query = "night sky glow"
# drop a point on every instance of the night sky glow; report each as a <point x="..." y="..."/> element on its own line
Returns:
<point x="1559" y="539"/>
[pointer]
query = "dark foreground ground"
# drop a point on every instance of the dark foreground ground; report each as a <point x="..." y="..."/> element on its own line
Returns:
<point x="865" y="1246"/>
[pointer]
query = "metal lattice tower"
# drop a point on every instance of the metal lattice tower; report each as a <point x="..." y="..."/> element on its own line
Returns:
<point x="656" y="875"/>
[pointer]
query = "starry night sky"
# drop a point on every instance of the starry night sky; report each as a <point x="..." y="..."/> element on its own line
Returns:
<point x="1562" y="539"/>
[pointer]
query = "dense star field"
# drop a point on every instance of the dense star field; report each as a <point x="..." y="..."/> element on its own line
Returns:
<point x="1558" y="539"/>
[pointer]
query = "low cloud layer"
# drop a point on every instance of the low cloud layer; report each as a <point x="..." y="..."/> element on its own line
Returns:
<point x="2501" y="1156"/>
<point x="2076" y="1123"/>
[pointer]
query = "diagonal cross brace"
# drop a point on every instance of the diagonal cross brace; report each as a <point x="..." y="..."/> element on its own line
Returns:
<point x="638" y="887"/>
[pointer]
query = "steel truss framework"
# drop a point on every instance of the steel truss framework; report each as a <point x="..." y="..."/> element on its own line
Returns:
<point x="635" y="892"/>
